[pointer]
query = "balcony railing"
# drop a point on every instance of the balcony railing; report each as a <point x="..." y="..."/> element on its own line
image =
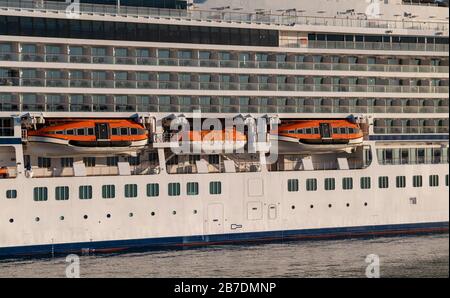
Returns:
<point x="191" y="85"/>
<point x="410" y="129"/>
<point x="64" y="58"/>
<point x="222" y="16"/>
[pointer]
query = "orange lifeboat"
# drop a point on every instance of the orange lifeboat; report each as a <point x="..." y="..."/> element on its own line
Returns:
<point x="318" y="136"/>
<point x="100" y="136"/>
<point x="212" y="141"/>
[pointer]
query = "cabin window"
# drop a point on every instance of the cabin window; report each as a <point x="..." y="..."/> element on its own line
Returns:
<point x="174" y="189"/>
<point x="152" y="190"/>
<point x="365" y="183"/>
<point x="215" y="187"/>
<point x="85" y="192"/>
<point x="292" y="185"/>
<point x="134" y="160"/>
<point x="446" y="180"/>
<point x="347" y="183"/>
<point x="62" y="193"/>
<point x="214" y="159"/>
<point x="40" y="194"/>
<point x="66" y="162"/>
<point x="90" y="131"/>
<point x="112" y="161"/>
<point x="400" y="181"/>
<point x="383" y="182"/>
<point x="330" y="184"/>
<point x="131" y="190"/>
<point x="44" y="162"/>
<point x="311" y="184"/>
<point x="109" y="191"/>
<point x="434" y="180"/>
<point x="89" y="161"/>
<point x="417" y="181"/>
<point x="192" y="188"/>
<point x="11" y="194"/>
<point x="124" y="131"/>
<point x="81" y="132"/>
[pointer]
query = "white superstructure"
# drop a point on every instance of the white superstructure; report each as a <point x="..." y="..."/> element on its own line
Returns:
<point x="380" y="66"/>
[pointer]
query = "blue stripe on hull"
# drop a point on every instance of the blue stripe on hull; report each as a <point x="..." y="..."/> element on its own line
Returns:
<point x="167" y="242"/>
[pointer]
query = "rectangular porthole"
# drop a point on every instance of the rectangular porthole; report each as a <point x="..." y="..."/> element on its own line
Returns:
<point x="330" y="184"/>
<point x="434" y="180"/>
<point x="383" y="182"/>
<point x="311" y="184"/>
<point x="192" y="188"/>
<point x="417" y="181"/>
<point x="365" y="183"/>
<point x="174" y="189"/>
<point x="131" y="190"/>
<point x="153" y="190"/>
<point x="85" y="192"/>
<point x="400" y="181"/>
<point x="11" y="194"/>
<point x="347" y="183"/>
<point x="108" y="191"/>
<point x="215" y="187"/>
<point x="62" y="193"/>
<point x="40" y="194"/>
<point x="292" y="185"/>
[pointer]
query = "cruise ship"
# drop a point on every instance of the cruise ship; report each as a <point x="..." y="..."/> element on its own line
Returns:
<point x="148" y="124"/>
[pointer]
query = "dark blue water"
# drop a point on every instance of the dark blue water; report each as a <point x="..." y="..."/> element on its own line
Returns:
<point x="422" y="256"/>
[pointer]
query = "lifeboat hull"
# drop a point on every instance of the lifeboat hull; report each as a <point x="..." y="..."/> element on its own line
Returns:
<point x="53" y="147"/>
<point x="293" y="145"/>
<point x="209" y="147"/>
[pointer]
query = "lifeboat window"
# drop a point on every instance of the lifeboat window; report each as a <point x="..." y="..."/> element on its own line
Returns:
<point x="316" y="130"/>
<point x="114" y="131"/>
<point x="59" y="132"/>
<point x="291" y="131"/>
<point x="300" y="131"/>
<point x="81" y="132"/>
<point x="124" y="131"/>
<point x="133" y="131"/>
<point x="69" y="132"/>
<point x="342" y="130"/>
<point x="90" y="131"/>
<point x="336" y="130"/>
<point x="351" y="130"/>
<point x="308" y="131"/>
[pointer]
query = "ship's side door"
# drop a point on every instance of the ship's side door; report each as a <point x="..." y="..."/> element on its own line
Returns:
<point x="325" y="130"/>
<point x="215" y="218"/>
<point x="102" y="131"/>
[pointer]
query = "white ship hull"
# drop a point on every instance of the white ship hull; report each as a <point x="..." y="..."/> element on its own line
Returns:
<point x="252" y="206"/>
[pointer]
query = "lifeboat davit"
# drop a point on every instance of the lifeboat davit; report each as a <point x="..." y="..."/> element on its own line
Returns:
<point x="88" y="137"/>
<point x="212" y="141"/>
<point x="318" y="136"/>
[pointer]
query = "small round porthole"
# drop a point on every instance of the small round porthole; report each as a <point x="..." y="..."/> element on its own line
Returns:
<point x="312" y="206"/>
<point x="61" y="218"/>
<point x="348" y="205"/>
<point x="329" y="205"/>
<point x="195" y="212"/>
<point x="108" y="215"/>
<point x="85" y="217"/>
<point x="292" y="207"/>
<point x="130" y="214"/>
<point x="365" y="204"/>
<point x="174" y="212"/>
<point x="152" y="214"/>
<point x="11" y="220"/>
<point x="37" y="219"/>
